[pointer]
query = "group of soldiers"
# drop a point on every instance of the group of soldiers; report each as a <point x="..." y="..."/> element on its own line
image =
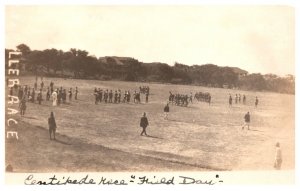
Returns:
<point x="237" y="99"/>
<point x="144" y="89"/>
<point x="35" y="93"/>
<point x="203" y="97"/>
<point x="110" y="96"/>
<point x="180" y="99"/>
<point x="59" y="95"/>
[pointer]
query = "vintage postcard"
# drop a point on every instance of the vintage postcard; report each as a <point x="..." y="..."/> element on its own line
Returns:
<point x="149" y="94"/>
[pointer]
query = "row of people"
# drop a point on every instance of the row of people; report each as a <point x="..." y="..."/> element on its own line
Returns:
<point x="108" y="96"/>
<point x="203" y="97"/>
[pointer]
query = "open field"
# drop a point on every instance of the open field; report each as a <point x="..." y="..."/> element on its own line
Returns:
<point x="106" y="137"/>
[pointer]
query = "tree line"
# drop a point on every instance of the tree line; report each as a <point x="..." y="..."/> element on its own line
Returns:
<point x="77" y="63"/>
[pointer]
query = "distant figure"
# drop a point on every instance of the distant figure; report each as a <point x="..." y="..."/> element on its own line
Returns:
<point x="244" y="99"/>
<point x="256" y="101"/>
<point x="144" y="124"/>
<point x="247" y="120"/>
<point x="166" y="111"/>
<point x="52" y="125"/>
<point x="40" y="97"/>
<point x="70" y="94"/>
<point x="48" y="94"/>
<point x="278" y="157"/>
<point x="54" y="98"/>
<point x="35" y="85"/>
<point x="76" y="92"/>
<point x="42" y="85"/>
<point x="147" y="96"/>
<point x="51" y="86"/>
<point x="230" y="100"/>
<point x="23" y="106"/>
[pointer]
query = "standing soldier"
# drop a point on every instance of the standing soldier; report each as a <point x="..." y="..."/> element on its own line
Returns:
<point x="59" y="96"/>
<point x="116" y="97"/>
<point x="128" y="96"/>
<point x="42" y="85"/>
<point x="191" y="98"/>
<point x="236" y="98"/>
<point x="23" y="106"/>
<point x="105" y="95"/>
<point x="64" y="96"/>
<point x="20" y="93"/>
<point x="76" y="92"/>
<point x="51" y="85"/>
<point x="70" y="94"/>
<point x="52" y="125"/>
<point x="96" y="94"/>
<point x="147" y="95"/>
<point x="100" y="92"/>
<point x="35" y="85"/>
<point x="39" y="97"/>
<point x="48" y="94"/>
<point x="166" y="111"/>
<point x="256" y="101"/>
<point x="209" y="99"/>
<point x="144" y="124"/>
<point x="119" y="96"/>
<point x="244" y="99"/>
<point x="33" y="95"/>
<point x="239" y="98"/>
<point x="247" y="120"/>
<point x="230" y="100"/>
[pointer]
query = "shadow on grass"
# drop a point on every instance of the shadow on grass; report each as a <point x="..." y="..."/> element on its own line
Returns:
<point x="62" y="142"/>
<point x="154" y="137"/>
<point x="255" y="130"/>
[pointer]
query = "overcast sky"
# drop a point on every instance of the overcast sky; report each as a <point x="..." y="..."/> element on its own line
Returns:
<point x="254" y="38"/>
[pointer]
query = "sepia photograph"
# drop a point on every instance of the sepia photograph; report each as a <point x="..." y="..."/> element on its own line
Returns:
<point x="149" y="88"/>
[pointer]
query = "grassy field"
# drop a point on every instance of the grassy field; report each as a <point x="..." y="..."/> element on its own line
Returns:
<point x="106" y="137"/>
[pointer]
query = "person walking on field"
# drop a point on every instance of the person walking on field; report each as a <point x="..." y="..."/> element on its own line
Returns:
<point x="256" y="101"/>
<point x="166" y="111"/>
<point x="144" y="124"/>
<point x="52" y="125"/>
<point x="278" y="157"/>
<point x="247" y="120"/>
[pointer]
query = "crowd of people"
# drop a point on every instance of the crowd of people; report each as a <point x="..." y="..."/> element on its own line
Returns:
<point x="59" y="96"/>
<point x="180" y="99"/>
<point x="144" y="89"/>
<point x="35" y="94"/>
<point x="203" y="97"/>
<point x="110" y="96"/>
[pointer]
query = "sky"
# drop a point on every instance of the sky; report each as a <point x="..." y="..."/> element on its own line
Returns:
<point x="259" y="39"/>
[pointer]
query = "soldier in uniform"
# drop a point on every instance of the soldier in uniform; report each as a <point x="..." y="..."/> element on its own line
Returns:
<point x="144" y="124"/>
<point x="230" y="100"/>
<point x="76" y="92"/>
<point x="247" y="120"/>
<point x="52" y="125"/>
<point x="70" y="94"/>
<point x="39" y="97"/>
<point x="23" y="106"/>
<point x="256" y="101"/>
<point x="166" y="111"/>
